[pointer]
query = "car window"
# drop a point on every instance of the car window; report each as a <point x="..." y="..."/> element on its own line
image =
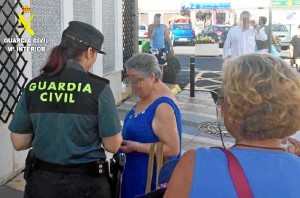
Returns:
<point x="182" y="26"/>
<point x="225" y="28"/>
<point x="142" y="27"/>
<point x="279" y="28"/>
<point x="205" y="29"/>
<point x="209" y="28"/>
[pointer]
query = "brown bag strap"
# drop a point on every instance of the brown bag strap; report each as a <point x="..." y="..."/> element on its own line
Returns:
<point x="159" y="159"/>
<point x="150" y="167"/>
<point x="158" y="152"/>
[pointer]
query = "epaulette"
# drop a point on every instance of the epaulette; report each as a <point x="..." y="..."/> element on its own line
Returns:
<point x="98" y="77"/>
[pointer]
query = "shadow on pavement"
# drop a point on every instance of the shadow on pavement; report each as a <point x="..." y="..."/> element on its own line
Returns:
<point x="7" y="192"/>
<point x="183" y="78"/>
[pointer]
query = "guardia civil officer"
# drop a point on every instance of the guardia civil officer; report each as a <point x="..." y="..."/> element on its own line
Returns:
<point x="68" y="116"/>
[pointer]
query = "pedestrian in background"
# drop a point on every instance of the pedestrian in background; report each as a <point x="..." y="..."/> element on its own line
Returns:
<point x="157" y="33"/>
<point x="241" y="39"/>
<point x="68" y="116"/>
<point x="295" y="48"/>
<point x="263" y="46"/>
<point x="258" y="115"/>
<point x="155" y="117"/>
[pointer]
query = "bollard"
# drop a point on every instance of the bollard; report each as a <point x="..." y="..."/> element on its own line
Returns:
<point x="192" y="76"/>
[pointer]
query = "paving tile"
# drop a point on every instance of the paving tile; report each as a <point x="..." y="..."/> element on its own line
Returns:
<point x="17" y="183"/>
<point x="190" y="130"/>
<point x="185" y="142"/>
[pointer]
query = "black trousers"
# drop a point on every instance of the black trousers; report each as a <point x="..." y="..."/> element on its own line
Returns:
<point x="47" y="184"/>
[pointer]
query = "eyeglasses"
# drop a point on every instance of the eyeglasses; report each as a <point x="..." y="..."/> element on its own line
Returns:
<point x="218" y="97"/>
<point x="217" y="94"/>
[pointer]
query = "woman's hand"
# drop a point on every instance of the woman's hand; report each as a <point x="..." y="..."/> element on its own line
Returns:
<point x="294" y="147"/>
<point x="128" y="146"/>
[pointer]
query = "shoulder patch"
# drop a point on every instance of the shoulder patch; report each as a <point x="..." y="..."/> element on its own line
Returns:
<point x="98" y="77"/>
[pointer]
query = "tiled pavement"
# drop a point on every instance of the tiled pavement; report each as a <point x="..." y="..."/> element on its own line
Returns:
<point x="199" y="130"/>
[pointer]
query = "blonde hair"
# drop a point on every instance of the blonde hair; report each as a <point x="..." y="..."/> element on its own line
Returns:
<point x="263" y="94"/>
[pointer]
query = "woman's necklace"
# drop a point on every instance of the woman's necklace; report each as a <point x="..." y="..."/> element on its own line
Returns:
<point x="261" y="147"/>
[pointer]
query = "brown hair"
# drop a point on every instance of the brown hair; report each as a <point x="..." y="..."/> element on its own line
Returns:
<point x="66" y="50"/>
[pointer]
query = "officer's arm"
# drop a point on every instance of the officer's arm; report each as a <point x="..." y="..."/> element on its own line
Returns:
<point x="112" y="143"/>
<point x="21" y="141"/>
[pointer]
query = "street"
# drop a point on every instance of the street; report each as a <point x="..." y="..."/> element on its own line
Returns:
<point x="208" y="69"/>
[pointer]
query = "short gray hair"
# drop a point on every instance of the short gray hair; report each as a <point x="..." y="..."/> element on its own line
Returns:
<point x="144" y="63"/>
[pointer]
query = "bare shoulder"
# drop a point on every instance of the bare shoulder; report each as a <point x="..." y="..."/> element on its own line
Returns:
<point x="181" y="180"/>
<point x="188" y="159"/>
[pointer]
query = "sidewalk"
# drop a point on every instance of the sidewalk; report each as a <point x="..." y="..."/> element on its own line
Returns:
<point x="199" y="130"/>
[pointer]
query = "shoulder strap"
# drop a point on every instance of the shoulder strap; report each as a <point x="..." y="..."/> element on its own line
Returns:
<point x="158" y="152"/>
<point x="159" y="159"/>
<point x="237" y="174"/>
<point x="150" y="168"/>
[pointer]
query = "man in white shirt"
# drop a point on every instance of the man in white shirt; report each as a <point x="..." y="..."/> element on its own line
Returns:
<point x="241" y="39"/>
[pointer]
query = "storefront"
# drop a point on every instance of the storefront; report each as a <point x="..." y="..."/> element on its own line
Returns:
<point x="209" y="13"/>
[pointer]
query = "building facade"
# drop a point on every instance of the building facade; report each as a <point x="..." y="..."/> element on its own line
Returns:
<point x="48" y="19"/>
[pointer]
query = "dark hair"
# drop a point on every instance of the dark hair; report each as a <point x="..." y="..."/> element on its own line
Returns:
<point x="263" y="19"/>
<point x="299" y="26"/>
<point x="157" y="15"/>
<point x="68" y="49"/>
<point x="245" y="13"/>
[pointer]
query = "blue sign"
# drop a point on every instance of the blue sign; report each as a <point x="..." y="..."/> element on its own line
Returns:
<point x="222" y="5"/>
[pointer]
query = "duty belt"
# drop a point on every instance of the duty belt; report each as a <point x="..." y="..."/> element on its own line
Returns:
<point x="99" y="167"/>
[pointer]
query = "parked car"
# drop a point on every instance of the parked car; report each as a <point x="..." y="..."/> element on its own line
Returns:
<point x="217" y="32"/>
<point x="143" y="33"/>
<point x="181" y="33"/>
<point x="282" y="32"/>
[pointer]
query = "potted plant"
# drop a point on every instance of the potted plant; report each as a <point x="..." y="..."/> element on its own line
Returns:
<point x="206" y="46"/>
<point x="204" y="40"/>
<point x="171" y="70"/>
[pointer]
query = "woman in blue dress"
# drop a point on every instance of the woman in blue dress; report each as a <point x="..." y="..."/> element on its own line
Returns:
<point x="155" y="117"/>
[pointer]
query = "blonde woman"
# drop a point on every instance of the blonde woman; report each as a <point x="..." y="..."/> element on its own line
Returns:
<point x="261" y="106"/>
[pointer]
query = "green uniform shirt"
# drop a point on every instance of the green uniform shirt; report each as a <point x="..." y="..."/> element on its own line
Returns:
<point x="68" y="114"/>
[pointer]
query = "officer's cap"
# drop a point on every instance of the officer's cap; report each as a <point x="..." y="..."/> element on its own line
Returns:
<point x="85" y="33"/>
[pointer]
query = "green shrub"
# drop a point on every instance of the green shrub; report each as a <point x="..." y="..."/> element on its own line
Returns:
<point x="204" y="40"/>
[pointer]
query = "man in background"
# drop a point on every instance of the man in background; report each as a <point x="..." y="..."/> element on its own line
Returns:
<point x="295" y="48"/>
<point x="263" y="46"/>
<point x="241" y="38"/>
<point x="157" y="33"/>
